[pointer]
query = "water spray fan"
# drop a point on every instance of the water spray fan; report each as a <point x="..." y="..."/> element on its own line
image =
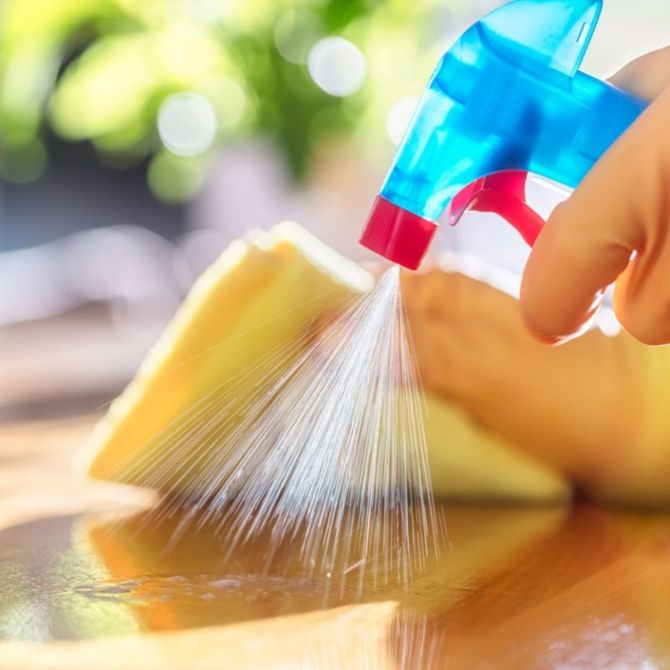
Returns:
<point x="508" y="99"/>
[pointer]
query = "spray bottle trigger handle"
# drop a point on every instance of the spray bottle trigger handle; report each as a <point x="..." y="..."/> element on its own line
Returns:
<point x="503" y="193"/>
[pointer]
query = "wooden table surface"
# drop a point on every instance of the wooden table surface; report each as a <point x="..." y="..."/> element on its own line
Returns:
<point x="577" y="587"/>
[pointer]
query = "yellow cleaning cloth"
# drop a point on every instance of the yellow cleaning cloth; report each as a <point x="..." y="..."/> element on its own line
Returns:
<point x="244" y="323"/>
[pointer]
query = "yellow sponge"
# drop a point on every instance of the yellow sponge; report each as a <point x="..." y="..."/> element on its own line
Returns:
<point x="242" y="324"/>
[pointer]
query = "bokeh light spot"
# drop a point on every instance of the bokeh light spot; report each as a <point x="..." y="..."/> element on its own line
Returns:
<point x="187" y="124"/>
<point x="337" y="66"/>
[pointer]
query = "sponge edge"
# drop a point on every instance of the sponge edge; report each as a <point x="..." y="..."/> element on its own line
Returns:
<point x="468" y="463"/>
<point x="261" y="295"/>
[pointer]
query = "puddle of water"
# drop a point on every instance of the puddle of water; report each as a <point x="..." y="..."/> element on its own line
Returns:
<point x="78" y="577"/>
<point x="577" y="586"/>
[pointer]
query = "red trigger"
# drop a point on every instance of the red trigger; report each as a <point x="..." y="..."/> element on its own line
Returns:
<point x="503" y="193"/>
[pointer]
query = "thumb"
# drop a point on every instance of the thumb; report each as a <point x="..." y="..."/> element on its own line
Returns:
<point x="619" y="209"/>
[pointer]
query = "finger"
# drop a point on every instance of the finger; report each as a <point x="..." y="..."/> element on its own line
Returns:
<point x="642" y="298"/>
<point x="439" y="354"/>
<point x="415" y="295"/>
<point x="460" y="329"/>
<point x="431" y="292"/>
<point x="647" y="76"/>
<point x="619" y="208"/>
<point x="640" y="308"/>
<point x="457" y="297"/>
<point x="566" y="276"/>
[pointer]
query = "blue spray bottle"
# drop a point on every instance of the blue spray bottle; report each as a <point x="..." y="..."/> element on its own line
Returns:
<point x="506" y="100"/>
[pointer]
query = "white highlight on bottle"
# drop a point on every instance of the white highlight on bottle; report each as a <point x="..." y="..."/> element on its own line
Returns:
<point x="400" y="116"/>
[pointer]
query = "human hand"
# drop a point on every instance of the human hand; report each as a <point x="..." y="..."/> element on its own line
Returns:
<point x="615" y="227"/>
<point x="594" y="408"/>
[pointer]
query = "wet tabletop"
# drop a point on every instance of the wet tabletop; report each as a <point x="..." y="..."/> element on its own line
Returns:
<point x="94" y="576"/>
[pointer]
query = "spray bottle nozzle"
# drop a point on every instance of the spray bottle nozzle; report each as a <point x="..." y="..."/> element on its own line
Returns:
<point x="506" y="100"/>
<point x="397" y="234"/>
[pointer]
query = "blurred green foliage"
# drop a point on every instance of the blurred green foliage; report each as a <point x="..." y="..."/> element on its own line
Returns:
<point x="99" y="71"/>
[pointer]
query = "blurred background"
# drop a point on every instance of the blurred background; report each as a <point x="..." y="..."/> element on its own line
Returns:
<point x="138" y="137"/>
